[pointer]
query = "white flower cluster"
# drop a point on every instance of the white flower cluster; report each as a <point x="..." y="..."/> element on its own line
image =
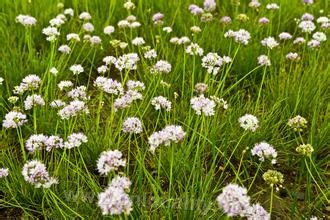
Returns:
<point x="38" y="141"/>
<point x="194" y="49"/>
<point x="158" y="18"/>
<point x="132" y="125"/>
<point x="129" y="5"/>
<point x="161" y="67"/>
<point x="269" y="42"/>
<point x="114" y="200"/>
<point x="257" y="212"/>
<point x="85" y="16"/>
<point x="108" y="60"/>
<point x="26" y="20"/>
<point x="249" y="122"/>
<point x="35" y="173"/>
<point x="135" y="85"/>
<point x="171" y="133"/>
<point x="57" y="103"/>
<point x="292" y="56"/>
<point x="51" y="32"/>
<point x="285" y="36"/>
<point x="121" y="182"/>
<point x="138" y="41"/>
<point x="4" y="172"/>
<point x="30" y="82"/>
<point x="180" y="41"/>
<point x="195" y="10"/>
<point x="264" y="150"/>
<point x="272" y="6"/>
<point x="73" y="109"/>
<point x="319" y="36"/>
<point x="150" y="54"/>
<point x="88" y="27"/>
<point x="57" y="21"/>
<point x="129" y="22"/>
<point x="241" y="36"/>
<point x="75" y="140"/>
<point x="78" y="93"/>
<point x="160" y="102"/>
<point x="127" y="61"/>
<point x="14" y="119"/>
<point x="64" y="84"/>
<point x="53" y="71"/>
<point x="203" y="105"/>
<point x="212" y="62"/>
<point x="110" y="161"/>
<point x="109" y="86"/>
<point x="76" y="69"/>
<point x="33" y="100"/>
<point x="209" y="5"/>
<point x="108" y="30"/>
<point x="127" y="99"/>
<point x="254" y="4"/>
<point x="234" y="201"/>
<point x="263" y="60"/>
<point x="65" y="49"/>
<point x="72" y="36"/>
<point x="307" y="26"/>
<point x="69" y="12"/>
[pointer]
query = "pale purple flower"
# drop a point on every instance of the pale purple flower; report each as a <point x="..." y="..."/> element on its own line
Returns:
<point x="35" y="173"/>
<point x="269" y="42"/>
<point x="108" y="85"/>
<point x="75" y="140"/>
<point x="171" y="133"/>
<point x="161" y="67"/>
<point x="264" y="150"/>
<point x="114" y="201"/>
<point x="263" y="60"/>
<point x="234" y="200"/>
<point x="33" y="100"/>
<point x="257" y="212"/>
<point x="14" y="119"/>
<point x="4" y="172"/>
<point x="132" y="125"/>
<point x="35" y="142"/>
<point x="73" y="109"/>
<point x="109" y="161"/>
<point x="203" y="105"/>
<point x="161" y="102"/>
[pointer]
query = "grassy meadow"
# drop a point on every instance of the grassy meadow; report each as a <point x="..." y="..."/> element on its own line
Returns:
<point x="167" y="109"/>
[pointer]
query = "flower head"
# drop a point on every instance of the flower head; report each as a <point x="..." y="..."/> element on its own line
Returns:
<point x="26" y="20"/>
<point x="35" y="173"/>
<point x="14" y="119"/>
<point x="234" y="200"/>
<point x="203" y="105"/>
<point x="171" y="133"/>
<point x="132" y="125"/>
<point x="305" y="149"/>
<point x="297" y="123"/>
<point x="249" y="122"/>
<point x="264" y="150"/>
<point x="110" y="161"/>
<point x="273" y="177"/>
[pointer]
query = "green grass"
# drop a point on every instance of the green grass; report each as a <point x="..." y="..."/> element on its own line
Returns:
<point x="180" y="181"/>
